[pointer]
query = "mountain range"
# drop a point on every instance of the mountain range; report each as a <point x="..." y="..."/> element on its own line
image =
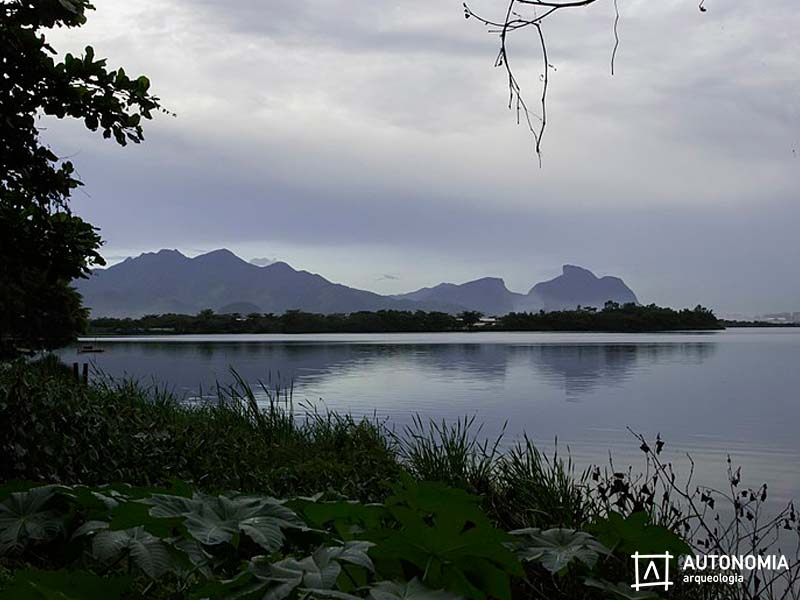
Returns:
<point x="170" y="282"/>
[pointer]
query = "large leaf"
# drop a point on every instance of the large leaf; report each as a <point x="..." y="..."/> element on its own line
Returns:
<point x="348" y="518"/>
<point x="10" y="487"/>
<point x="334" y="594"/>
<point x="554" y="549"/>
<point x="445" y="502"/>
<point x="215" y="520"/>
<point x="635" y="534"/>
<point x="89" y="528"/>
<point x="315" y="574"/>
<point x="413" y="590"/>
<point x="128" y="515"/>
<point x="245" y="586"/>
<point x="95" y="503"/>
<point x="354" y="552"/>
<point x="198" y="558"/>
<point x="167" y="506"/>
<point x="145" y="550"/>
<point x="25" y="517"/>
<point x="621" y="591"/>
<point x="442" y="534"/>
<point x="32" y="584"/>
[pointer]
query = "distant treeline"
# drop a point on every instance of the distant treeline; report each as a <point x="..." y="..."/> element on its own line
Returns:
<point x="735" y="323"/>
<point x="613" y="317"/>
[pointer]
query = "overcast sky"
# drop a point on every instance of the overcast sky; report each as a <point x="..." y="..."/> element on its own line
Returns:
<point x="370" y="142"/>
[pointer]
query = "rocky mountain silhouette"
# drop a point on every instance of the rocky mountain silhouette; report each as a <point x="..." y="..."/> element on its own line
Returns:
<point x="578" y="286"/>
<point x="167" y="281"/>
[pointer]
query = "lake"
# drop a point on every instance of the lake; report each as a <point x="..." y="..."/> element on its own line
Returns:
<point x="708" y="394"/>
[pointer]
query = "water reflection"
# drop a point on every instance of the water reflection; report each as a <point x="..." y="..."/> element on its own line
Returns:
<point x="580" y="369"/>
<point x="576" y="369"/>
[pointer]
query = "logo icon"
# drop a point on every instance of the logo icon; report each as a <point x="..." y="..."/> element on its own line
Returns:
<point x="656" y="566"/>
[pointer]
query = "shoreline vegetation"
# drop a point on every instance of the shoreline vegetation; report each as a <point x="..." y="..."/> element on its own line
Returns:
<point x="612" y="318"/>
<point x="750" y="324"/>
<point x="112" y="490"/>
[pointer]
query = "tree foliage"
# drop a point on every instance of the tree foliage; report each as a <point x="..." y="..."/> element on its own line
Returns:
<point x="43" y="245"/>
<point x="613" y="317"/>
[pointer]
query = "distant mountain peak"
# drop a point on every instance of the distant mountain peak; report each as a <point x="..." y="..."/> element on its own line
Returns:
<point x="163" y="253"/>
<point x="488" y="281"/>
<point x="219" y="252"/>
<point x="488" y="295"/>
<point x="221" y="256"/>
<point x="577" y="286"/>
<point x="576" y="271"/>
<point x="164" y="256"/>
<point x="279" y="265"/>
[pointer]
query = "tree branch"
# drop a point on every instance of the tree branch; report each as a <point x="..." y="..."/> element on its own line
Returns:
<point x="515" y="21"/>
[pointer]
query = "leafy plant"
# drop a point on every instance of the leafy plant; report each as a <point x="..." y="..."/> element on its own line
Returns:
<point x="635" y="533"/>
<point x="215" y="520"/>
<point x="26" y="518"/>
<point x="622" y="591"/>
<point x="316" y="573"/>
<point x="441" y="535"/>
<point x="429" y="531"/>
<point x="145" y="550"/>
<point x="412" y="590"/>
<point x="556" y="549"/>
<point x="347" y="519"/>
<point x="33" y="584"/>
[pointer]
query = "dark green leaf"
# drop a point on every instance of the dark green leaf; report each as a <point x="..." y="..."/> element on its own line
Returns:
<point x="32" y="584"/>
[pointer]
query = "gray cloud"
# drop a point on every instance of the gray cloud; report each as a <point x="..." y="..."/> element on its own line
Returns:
<point x="354" y="140"/>
<point x="262" y="262"/>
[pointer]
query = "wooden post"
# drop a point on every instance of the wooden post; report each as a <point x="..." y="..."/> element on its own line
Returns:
<point x="85" y="373"/>
<point x="75" y="371"/>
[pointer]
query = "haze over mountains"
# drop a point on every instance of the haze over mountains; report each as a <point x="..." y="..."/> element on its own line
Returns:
<point x="170" y="282"/>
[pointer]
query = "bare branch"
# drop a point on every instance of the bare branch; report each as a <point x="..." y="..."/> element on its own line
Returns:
<point x="522" y="14"/>
<point x="616" y="36"/>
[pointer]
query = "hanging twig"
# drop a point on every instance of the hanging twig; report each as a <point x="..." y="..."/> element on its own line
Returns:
<point x="616" y="36"/>
<point x="521" y="14"/>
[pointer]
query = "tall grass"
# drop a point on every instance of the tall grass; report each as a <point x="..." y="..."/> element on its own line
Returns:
<point x="58" y="430"/>
<point x="521" y="486"/>
<point x="453" y="453"/>
<point x="536" y="491"/>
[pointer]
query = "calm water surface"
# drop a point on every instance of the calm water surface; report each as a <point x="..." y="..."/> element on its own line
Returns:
<point x="708" y="394"/>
